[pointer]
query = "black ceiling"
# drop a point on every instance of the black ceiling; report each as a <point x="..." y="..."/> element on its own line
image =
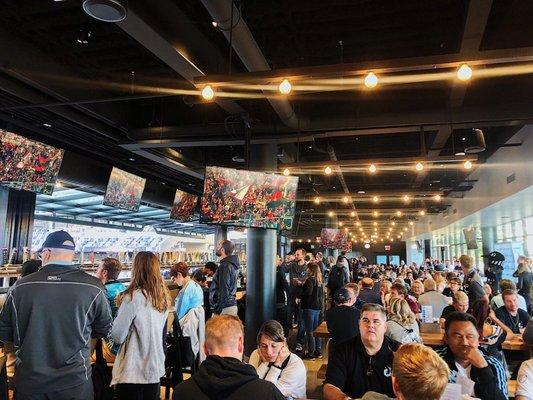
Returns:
<point x="41" y="62"/>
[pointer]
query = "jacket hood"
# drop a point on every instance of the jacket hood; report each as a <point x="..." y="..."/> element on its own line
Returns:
<point x="232" y="259"/>
<point x="218" y="377"/>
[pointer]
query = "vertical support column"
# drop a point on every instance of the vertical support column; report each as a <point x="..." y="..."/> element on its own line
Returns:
<point x="488" y="239"/>
<point x="17" y="209"/>
<point x="261" y="247"/>
<point x="221" y="233"/>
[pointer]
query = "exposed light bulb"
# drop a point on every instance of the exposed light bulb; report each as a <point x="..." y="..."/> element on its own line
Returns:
<point x="308" y="240"/>
<point x="340" y="223"/>
<point x="406" y="198"/>
<point x="215" y="24"/>
<point x="358" y="224"/>
<point x="208" y="93"/>
<point x="345" y="199"/>
<point x="375" y="223"/>
<point x="375" y="199"/>
<point x="399" y="213"/>
<point x="464" y="72"/>
<point x="317" y="200"/>
<point x="375" y="213"/>
<point x="422" y="213"/>
<point x="328" y="170"/>
<point x="352" y="214"/>
<point x="371" y="80"/>
<point x="437" y="197"/>
<point x="393" y="223"/>
<point x="331" y="213"/>
<point x="285" y="87"/>
<point x="372" y="168"/>
<point x="405" y="229"/>
<point x="419" y="166"/>
<point x="411" y="223"/>
<point x="286" y="172"/>
<point x="467" y="164"/>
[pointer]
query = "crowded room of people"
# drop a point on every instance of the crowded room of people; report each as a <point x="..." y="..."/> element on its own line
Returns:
<point x="266" y="200"/>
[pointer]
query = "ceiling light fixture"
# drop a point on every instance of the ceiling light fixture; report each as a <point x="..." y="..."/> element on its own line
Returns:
<point x="331" y="213"/>
<point x="375" y="213"/>
<point x="352" y="214"/>
<point x="340" y="223"/>
<point x="422" y="213"/>
<point x="328" y="170"/>
<point x="406" y="198"/>
<point x="411" y="223"/>
<point x="467" y="164"/>
<point x="399" y="213"/>
<point x="106" y="10"/>
<point x="345" y="199"/>
<point x="286" y="172"/>
<point x="437" y="197"/>
<point x="317" y="200"/>
<point x="372" y="168"/>
<point x="393" y="223"/>
<point x="419" y="166"/>
<point x="215" y="24"/>
<point x="285" y="87"/>
<point x="83" y="36"/>
<point x="464" y="73"/>
<point x="371" y="80"/>
<point x="375" y="199"/>
<point x="208" y="93"/>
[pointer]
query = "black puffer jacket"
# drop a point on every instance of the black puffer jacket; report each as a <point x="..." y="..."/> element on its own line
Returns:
<point x="226" y="378"/>
<point x="224" y="286"/>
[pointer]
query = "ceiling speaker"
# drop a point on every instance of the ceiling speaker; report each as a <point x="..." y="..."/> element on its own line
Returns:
<point x="106" y="10"/>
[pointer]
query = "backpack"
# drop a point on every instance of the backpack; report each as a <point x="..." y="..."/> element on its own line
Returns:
<point x="409" y="335"/>
<point x="336" y="278"/>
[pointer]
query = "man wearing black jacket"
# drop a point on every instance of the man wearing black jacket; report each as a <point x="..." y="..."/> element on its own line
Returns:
<point x="223" y="375"/>
<point x="224" y="285"/>
<point x="468" y="363"/>
<point x="282" y="293"/>
<point x="51" y="316"/>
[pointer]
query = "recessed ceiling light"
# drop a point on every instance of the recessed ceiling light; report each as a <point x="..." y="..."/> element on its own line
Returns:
<point x="106" y="10"/>
<point x="47" y="125"/>
<point x="361" y="192"/>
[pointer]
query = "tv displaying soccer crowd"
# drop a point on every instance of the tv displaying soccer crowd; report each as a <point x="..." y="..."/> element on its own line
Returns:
<point x="247" y="198"/>
<point x="27" y="164"/>
<point x="124" y="190"/>
<point x="183" y="206"/>
<point x="333" y="239"/>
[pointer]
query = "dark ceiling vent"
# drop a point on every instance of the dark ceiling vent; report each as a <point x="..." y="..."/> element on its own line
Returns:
<point x="106" y="10"/>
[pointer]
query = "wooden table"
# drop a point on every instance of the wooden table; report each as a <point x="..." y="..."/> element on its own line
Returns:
<point x="437" y="339"/>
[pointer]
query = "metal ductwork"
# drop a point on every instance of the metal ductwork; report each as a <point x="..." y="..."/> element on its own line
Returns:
<point x="250" y="54"/>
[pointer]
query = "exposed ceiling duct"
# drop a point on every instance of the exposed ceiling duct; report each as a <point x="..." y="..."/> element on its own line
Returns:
<point x="250" y="54"/>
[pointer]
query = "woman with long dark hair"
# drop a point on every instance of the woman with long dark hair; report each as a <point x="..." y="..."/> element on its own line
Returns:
<point x="141" y="317"/>
<point x="311" y="306"/>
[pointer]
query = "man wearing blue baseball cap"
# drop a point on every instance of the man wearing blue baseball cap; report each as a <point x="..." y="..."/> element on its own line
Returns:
<point x="51" y="316"/>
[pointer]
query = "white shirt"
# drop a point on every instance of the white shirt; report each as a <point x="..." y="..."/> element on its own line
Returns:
<point x="291" y="381"/>
<point x="497" y="302"/>
<point x="462" y="375"/>
<point x="524" y="380"/>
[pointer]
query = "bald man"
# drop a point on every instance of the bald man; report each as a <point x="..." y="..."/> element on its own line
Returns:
<point x="223" y="375"/>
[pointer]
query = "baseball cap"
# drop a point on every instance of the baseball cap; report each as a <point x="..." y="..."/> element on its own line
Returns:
<point x="58" y="240"/>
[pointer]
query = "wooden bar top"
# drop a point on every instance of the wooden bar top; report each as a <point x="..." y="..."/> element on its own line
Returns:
<point x="437" y="339"/>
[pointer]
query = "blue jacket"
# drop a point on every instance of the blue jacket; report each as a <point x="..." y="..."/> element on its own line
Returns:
<point x="113" y="289"/>
<point x="189" y="297"/>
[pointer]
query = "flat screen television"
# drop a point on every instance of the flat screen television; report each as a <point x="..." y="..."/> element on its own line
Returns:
<point x="334" y="239"/>
<point x="183" y="206"/>
<point x="124" y="190"/>
<point x="248" y="198"/>
<point x="470" y="238"/>
<point x="28" y="165"/>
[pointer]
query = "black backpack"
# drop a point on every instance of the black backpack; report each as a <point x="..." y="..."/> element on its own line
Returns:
<point x="336" y="278"/>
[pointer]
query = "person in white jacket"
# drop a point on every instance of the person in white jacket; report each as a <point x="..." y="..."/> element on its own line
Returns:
<point x="138" y="327"/>
<point x="275" y="363"/>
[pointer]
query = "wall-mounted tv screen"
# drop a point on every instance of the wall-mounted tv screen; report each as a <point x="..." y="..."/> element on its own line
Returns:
<point x="124" y="190"/>
<point x="183" y="206"/>
<point x="248" y="198"/>
<point x="28" y="165"/>
<point x="470" y="238"/>
<point x="333" y="239"/>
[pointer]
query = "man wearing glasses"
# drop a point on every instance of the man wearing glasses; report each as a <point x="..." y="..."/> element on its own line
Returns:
<point x="480" y="375"/>
<point x="51" y="316"/>
<point x="363" y="363"/>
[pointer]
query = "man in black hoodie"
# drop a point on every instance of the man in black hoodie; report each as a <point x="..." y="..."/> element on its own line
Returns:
<point x="224" y="285"/>
<point x="223" y="375"/>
